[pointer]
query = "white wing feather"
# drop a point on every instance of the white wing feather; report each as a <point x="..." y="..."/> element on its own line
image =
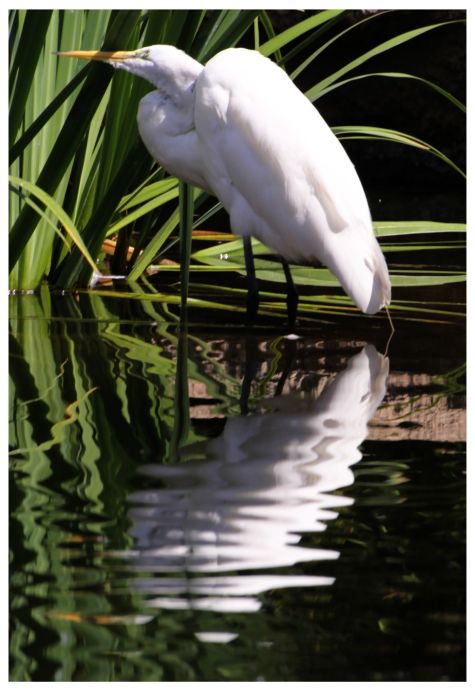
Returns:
<point x="283" y="176"/>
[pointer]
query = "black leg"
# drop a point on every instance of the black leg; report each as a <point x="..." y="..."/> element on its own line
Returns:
<point x="290" y="350"/>
<point x="252" y="290"/>
<point x="250" y="371"/>
<point x="292" y="294"/>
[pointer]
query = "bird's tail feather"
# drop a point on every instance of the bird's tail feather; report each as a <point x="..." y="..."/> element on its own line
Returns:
<point x="364" y="276"/>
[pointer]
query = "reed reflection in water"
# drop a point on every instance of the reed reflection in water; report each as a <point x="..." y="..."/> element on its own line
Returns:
<point x="242" y="501"/>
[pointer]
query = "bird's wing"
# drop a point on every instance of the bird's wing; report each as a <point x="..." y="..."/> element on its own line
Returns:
<point x="266" y="144"/>
<point x="282" y="174"/>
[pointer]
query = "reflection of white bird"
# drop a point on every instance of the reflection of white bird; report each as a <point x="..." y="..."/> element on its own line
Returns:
<point x="239" y="128"/>
<point x="261" y="484"/>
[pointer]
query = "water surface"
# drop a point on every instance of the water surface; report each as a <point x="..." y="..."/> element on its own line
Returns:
<point x="229" y="504"/>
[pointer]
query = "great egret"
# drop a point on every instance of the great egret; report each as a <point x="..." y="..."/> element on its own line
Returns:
<point x="239" y="128"/>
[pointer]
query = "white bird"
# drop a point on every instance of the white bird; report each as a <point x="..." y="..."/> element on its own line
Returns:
<point x="239" y="128"/>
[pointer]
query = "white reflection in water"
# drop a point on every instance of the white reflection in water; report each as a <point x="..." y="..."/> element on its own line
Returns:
<point x="263" y="482"/>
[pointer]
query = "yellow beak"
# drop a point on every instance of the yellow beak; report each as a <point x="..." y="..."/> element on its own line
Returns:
<point x="98" y="54"/>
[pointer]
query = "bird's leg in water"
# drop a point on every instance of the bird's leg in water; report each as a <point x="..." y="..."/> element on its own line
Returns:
<point x="289" y="356"/>
<point x="252" y="290"/>
<point x="292" y="294"/>
<point x="251" y="368"/>
<point x="250" y="371"/>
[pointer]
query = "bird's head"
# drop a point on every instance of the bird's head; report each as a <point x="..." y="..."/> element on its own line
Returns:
<point x="169" y="69"/>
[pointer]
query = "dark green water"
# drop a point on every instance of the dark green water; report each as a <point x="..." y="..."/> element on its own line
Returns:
<point x="226" y="504"/>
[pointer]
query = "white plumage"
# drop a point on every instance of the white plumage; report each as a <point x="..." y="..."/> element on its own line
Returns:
<point x="239" y="128"/>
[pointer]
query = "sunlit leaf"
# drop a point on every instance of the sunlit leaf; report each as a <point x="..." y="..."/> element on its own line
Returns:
<point x="59" y="213"/>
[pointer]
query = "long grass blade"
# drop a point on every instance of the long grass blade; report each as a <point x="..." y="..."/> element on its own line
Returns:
<point x="72" y="271"/>
<point x="22" y="71"/>
<point x="225" y="33"/>
<point x="382" y="133"/>
<point x="321" y="86"/>
<point x="68" y="140"/>
<point x="397" y="75"/>
<point x="20" y="145"/>
<point x="59" y="213"/>
<point x="186" y="224"/>
<point x="294" y="32"/>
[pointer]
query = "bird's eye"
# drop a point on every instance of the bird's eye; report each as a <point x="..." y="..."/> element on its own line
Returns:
<point x="143" y="53"/>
